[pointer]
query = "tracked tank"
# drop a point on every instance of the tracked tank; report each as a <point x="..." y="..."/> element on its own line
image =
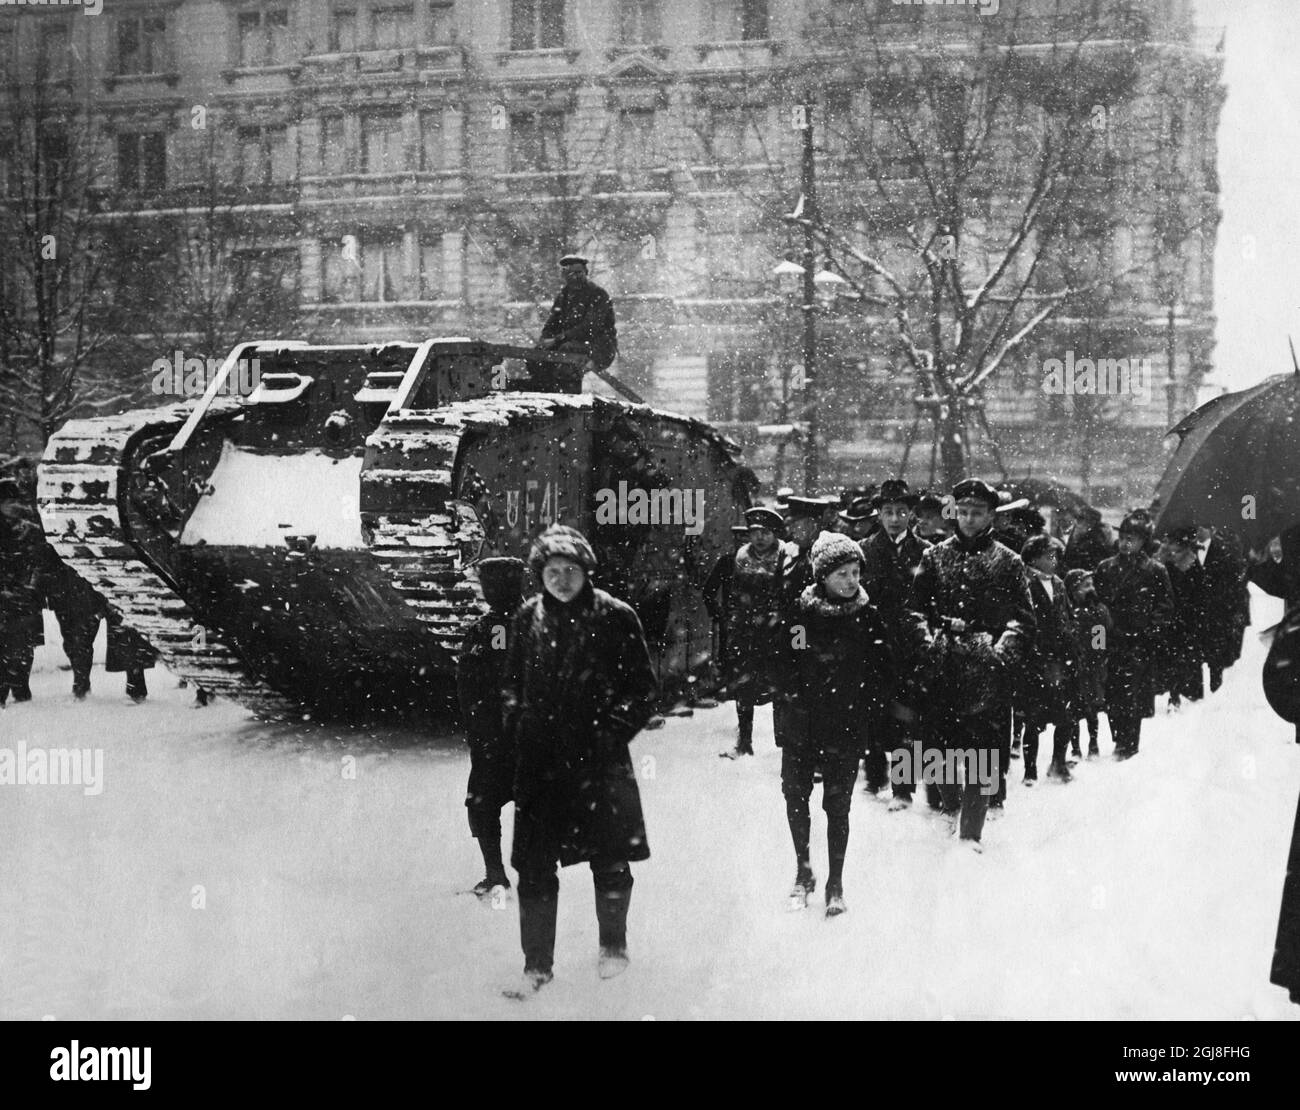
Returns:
<point x="308" y="549"/>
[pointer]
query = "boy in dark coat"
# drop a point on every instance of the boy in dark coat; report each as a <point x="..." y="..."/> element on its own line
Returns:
<point x="1050" y="667"/>
<point x="478" y="683"/>
<point x="756" y="581"/>
<point x="578" y="687"/>
<point x="834" y="681"/>
<point x="1135" y="588"/>
<point x="1093" y="628"/>
<point x="890" y="560"/>
<point x="973" y="621"/>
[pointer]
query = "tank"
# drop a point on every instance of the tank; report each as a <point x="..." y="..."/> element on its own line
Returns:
<point x="309" y="549"/>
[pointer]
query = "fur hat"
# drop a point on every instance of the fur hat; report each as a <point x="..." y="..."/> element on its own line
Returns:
<point x="830" y="551"/>
<point x="502" y="580"/>
<point x="563" y="542"/>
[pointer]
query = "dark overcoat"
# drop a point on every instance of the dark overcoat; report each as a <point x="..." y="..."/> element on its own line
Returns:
<point x="1049" y="675"/>
<point x="578" y="686"/>
<point x="22" y="544"/>
<point x="1136" y="590"/>
<point x="835" y="672"/>
<point x="982" y="583"/>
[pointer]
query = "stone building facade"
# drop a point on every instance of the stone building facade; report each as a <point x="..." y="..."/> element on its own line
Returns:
<point x="420" y="164"/>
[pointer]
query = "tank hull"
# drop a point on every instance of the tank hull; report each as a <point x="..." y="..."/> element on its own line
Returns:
<point x="316" y="555"/>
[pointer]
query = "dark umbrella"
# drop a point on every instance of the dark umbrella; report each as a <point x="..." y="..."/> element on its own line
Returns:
<point x="1237" y="465"/>
<point x="1041" y="491"/>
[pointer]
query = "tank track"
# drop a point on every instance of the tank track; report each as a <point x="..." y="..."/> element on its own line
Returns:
<point x="423" y="554"/>
<point x="82" y="490"/>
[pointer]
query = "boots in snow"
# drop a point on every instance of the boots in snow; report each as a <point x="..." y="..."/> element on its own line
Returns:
<point x="611" y="917"/>
<point x="530" y="982"/>
<point x="834" y="901"/>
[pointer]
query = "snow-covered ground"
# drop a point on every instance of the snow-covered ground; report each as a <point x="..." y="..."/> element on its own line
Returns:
<point x="235" y="870"/>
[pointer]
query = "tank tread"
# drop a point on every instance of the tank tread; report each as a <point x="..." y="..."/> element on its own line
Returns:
<point x="79" y="482"/>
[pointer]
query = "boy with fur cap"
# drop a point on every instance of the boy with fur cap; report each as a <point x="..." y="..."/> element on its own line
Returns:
<point x="835" y="678"/>
<point x="578" y="687"/>
<point x="478" y="685"/>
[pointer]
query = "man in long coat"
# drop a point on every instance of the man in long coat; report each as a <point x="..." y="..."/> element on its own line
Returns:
<point x="1136" y="590"/>
<point x="21" y="543"/>
<point x="578" y="687"/>
<point x="973" y="621"/>
<point x="890" y="560"/>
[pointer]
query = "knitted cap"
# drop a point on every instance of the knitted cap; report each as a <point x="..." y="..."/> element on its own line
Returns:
<point x="564" y="542"/>
<point x="830" y="551"/>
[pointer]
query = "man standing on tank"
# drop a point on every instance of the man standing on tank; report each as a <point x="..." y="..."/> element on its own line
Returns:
<point x="581" y="322"/>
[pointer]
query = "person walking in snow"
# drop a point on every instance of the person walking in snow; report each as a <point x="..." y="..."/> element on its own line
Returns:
<point x="578" y="687"/>
<point x="1179" y="661"/>
<point x="1093" y="627"/>
<point x="1136" y="590"/>
<point x="21" y="544"/>
<point x="1050" y="666"/>
<point x="834" y="679"/>
<point x="478" y="684"/>
<point x="973" y="621"/>
<point x="891" y="558"/>
<point x="751" y="620"/>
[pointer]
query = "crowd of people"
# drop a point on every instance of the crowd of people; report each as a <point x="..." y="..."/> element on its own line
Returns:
<point x="932" y="640"/>
<point x="891" y="623"/>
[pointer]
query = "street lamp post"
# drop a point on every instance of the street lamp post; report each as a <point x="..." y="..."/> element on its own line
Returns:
<point x="809" y="307"/>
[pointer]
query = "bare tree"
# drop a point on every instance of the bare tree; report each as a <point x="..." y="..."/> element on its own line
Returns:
<point x="58" y="312"/>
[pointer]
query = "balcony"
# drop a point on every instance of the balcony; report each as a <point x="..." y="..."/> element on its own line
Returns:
<point x="328" y="68"/>
<point x="550" y="60"/>
<point x="741" y="54"/>
<point x="251" y="73"/>
<point x="171" y="78"/>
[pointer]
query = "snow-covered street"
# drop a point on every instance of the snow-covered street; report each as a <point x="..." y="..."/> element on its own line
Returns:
<point x="235" y="870"/>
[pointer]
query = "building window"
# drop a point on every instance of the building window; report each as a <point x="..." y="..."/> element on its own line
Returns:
<point x="638" y="22"/>
<point x="56" y="49"/>
<point x="637" y="152"/>
<point x="431" y="149"/>
<point x="431" y="276"/>
<point x="332" y="145"/>
<point x="383" y="274"/>
<point x="536" y="142"/>
<point x="142" y="45"/>
<point x="536" y="24"/>
<point x="734" y="138"/>
<point x="392" y="27"/>
<point x="343" y="31"/>
<point x="142" y="161"/>
<point x="382" y="147"/>
<point x="737" y="20"/>
<point x="339" y="273"/>
<point x="8" y="37"/>
<point x="738" y="386"/>
<point x="739" y="261"/>
<point x="442" y="22"/>
<point x="265" y="157"/>
<point x="264" y="37"/>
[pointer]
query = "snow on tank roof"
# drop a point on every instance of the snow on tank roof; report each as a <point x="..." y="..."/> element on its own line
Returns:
<point x="499" y="409"/>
